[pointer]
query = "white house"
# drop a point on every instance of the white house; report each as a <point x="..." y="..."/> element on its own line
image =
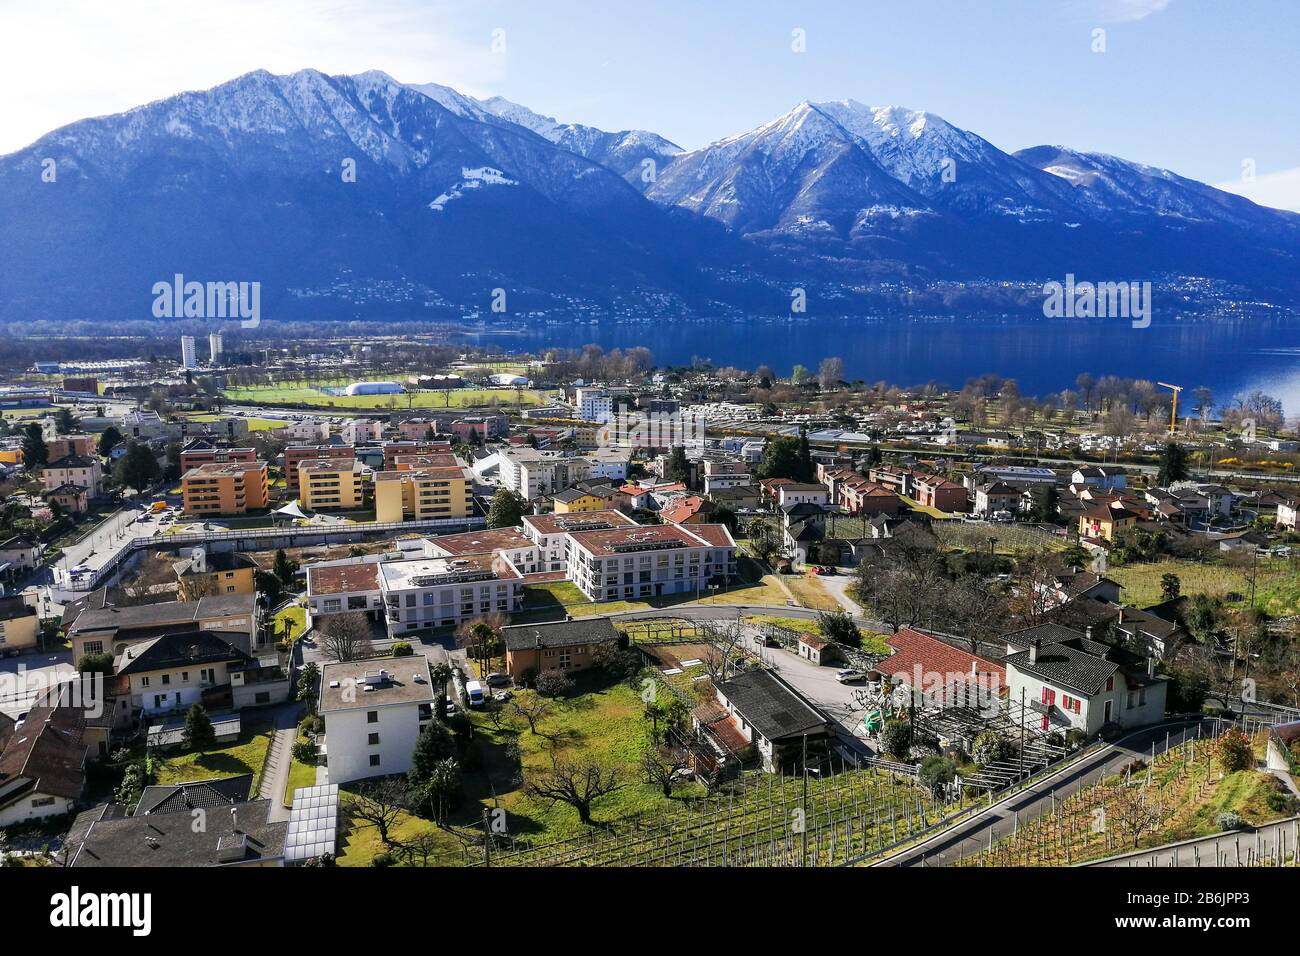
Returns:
<point x="373" y="711"/>
<point x="1070" y="682"/>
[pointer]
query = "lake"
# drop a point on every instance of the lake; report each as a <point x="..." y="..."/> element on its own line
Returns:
<point x="1042" y="355"/>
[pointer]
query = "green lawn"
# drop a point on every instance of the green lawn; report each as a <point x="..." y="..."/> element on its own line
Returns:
<point x="246" y="755"/>
<point x="873" y="642"/>
<point x="295" y="616"/>
<point x="602" y="723"/>
<point x="300" y="775"/>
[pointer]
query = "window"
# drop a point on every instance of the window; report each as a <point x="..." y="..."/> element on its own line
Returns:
<point x="374" y="760"/>
<point x="372" y="716"/>
<point x="166" y="679"/>
<point x="1110" y="682"/>
<point x="144" y="681"/>
<point x="42" y="801"/>
<point x="262" y="697"/>
<point x="185" y="677"/>
<point x="93" y="647"/>
<point x="373" y="740"/>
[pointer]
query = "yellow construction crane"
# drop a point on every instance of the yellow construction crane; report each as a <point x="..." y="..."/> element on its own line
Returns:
<point x="1173" y="414"/>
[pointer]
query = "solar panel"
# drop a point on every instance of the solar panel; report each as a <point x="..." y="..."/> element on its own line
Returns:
<point x="313" y="823"/>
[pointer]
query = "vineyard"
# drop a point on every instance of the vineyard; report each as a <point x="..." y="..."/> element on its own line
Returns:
<point x="823" y="818"/>
<point x="1184" y="792"/>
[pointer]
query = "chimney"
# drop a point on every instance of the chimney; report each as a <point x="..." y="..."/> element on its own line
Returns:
<point x="1033" y="652"/>
<point x="234" y="819"/>
<point x="1087" y="632"/>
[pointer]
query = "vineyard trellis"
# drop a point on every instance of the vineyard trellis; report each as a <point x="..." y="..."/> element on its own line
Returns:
<point x="1110" y="816"/>
<point x="835" y="812"/>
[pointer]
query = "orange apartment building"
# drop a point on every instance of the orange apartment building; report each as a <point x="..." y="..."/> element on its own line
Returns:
<point x="66" y="445"/>
<point x="393" y="449"/>
<point x="224" y="488"/>
<point x="199" y="452"/>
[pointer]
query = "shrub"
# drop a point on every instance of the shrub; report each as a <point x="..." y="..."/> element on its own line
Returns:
<point x="896" y="739"/>
<point x="382" y="859"/>
<point x="1234" y="750"/>
<point x="935" y="772"/>
<point x="401" y="649"/>
<point x="304" y="751"/>
<point x="989" y="747"/>
<point x="554" y="683"/>
<point x="1230" y="821"/>
<point x="1280" y="802"/>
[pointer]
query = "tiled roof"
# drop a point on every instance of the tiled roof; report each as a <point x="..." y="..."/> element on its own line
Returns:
<point x="933" y="659"/>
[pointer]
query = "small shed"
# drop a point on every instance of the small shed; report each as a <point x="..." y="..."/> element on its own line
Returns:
<point x="818" y="650"/>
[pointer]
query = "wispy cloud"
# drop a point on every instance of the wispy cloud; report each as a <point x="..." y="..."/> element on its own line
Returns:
<point x="1119" y="11"/>
<point x="74" y="59"/>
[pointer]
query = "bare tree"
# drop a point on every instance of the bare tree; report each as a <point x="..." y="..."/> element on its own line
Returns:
<point x="726" y="647"/>
<point x="154" y="578"/>
<point x="347" y="636"/>
<point x="661" y="764"/>
<point x="380" y="804"/>
<point x="1133" y="812"/>
<point x="575" y="784"/>
<point x="534" y="708"/>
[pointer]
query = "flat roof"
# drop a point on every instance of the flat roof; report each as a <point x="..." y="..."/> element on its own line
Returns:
<point x="619" y="541"/>
<point x="393" y="680"/>
<point x="430" y="572"/>
<point x="481" y="542"/>
<point x="343" y="578"/>
<point x="591" y="520"/>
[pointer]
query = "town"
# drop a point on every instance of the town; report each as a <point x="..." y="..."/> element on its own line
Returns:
<point x="402" y="601"/>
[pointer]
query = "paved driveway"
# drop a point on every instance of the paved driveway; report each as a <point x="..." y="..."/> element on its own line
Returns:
<point x="819" y="685"/>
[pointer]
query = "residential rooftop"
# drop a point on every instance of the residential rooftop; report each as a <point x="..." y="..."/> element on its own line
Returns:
<point x="381" y="681"/>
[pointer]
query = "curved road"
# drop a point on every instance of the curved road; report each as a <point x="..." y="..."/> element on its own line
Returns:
<point x="972" y="835"/>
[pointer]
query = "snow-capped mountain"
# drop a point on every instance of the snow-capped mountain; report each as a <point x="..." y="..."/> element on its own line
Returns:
<point x="299" y="180"/>
<point x="624" y="152"/>
<point x="1107" y="184"/>
<point x="360" y="195"/>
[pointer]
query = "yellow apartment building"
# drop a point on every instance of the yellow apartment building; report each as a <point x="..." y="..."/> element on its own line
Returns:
<point x="331" y="485"/>
<point x="419" y="494"/>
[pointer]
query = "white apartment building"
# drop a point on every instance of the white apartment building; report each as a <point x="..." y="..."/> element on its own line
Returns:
<point x="593" y="404"/>
<point x="142" y="423"/>
<point x="215" y="348"/>
<point x="550" y="533"/>
<point x="357" y="431"/>
<point x="374" y="711"/>
<point x="533" y="474"/>
<point x="189" y="358"/>
<point x="641" y="562"/>
<point x="424" y="593"/>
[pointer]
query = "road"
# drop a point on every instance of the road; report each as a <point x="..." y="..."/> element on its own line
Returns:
<point x="996" y="822"/>
<point x="1223" y="849"/>
<point x="100" y="546"/>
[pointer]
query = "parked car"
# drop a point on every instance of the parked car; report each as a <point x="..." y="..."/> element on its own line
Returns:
<point x="502" y="696"/>
<point x="497" y="679"/>
<point x="850" y="675"/>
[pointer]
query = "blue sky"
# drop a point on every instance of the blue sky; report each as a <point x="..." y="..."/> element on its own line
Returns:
<point x="1198" y="86"/>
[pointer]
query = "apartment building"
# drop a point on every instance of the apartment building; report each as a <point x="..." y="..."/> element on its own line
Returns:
<point x="331" y="484"/>
<point x="356" y="431"/>
<point x="66" y="445"/>
<point x="425" y="593"/>
<point x="176" y="671"/>
<point x="295" y="455"/>
<point x="374" y="711"/>
<point x="224" y="488"/>
<point x="201" y="452"/>
<point x="82" y="471"/>
<point x="393" y="449"/>
<point x="640" y="562"/>
<point x="424" y="493"/>
<point x="143" y="424"/>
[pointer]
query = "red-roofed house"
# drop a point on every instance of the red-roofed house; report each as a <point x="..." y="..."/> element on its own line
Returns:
<point x="940" y="671"/>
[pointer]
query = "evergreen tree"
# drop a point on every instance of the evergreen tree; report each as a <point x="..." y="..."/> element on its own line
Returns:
<point x="780" y="458"/>
<point x="1173" y="464"/>
<point x="35" y="454"/>
<point x="109" y="439"/>
<point x="678" y="469"/>
<point x="198" y="734"/>
<point x="285" y="570"/>
<point x="434" y="745"/>
<point x="507" y="509"/>
<point x="806" y="470"/>
<point x="65" y="422"/>
<point x="138" y="468"/>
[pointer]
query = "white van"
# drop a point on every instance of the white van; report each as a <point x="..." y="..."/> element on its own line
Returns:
<point x="474" y="693"/>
